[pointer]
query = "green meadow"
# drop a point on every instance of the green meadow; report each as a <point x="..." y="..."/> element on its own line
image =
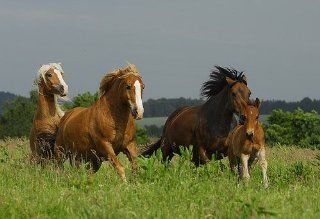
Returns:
<point x="158" y="190"/>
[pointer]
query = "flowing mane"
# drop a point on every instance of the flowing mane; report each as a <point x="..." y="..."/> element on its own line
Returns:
<point x="108" y="80"/>
<point x="218" y="81"/>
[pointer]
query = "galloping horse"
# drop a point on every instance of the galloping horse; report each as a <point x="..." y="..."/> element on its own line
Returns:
<point x="51" y="84"/>
<point x="246" y="144"/>
<point x="207" y="126"/>
<point x="106" y="128"/>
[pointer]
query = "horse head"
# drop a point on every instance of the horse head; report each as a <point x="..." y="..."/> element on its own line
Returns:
<point x="128" y="85"/>
<point x="51" y="78"/>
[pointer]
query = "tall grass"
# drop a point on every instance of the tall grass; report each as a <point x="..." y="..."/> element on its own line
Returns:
<point x="172" y="190"/>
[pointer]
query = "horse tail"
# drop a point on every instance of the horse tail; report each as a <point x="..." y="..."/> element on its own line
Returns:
<point x="148" y="150"/>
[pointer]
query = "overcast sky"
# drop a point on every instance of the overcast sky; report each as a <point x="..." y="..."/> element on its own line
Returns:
<point x="174" y="43"/>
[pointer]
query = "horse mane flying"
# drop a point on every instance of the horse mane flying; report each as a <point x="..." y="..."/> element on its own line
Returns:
<point x="218" y="80"/>
<point x="109" y="79"/>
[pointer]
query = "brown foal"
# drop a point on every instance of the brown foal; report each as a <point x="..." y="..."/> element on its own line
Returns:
<point x="246" y="144"/>
<point x="106" y="128"/>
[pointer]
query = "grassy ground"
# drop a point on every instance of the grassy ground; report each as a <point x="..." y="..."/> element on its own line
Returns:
<point x="176" y="190"/>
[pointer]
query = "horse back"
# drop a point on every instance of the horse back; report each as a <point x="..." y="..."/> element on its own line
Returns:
<point x="180" y="125"/>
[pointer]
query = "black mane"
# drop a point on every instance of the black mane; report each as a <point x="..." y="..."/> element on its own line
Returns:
<point x="218" y="81"/>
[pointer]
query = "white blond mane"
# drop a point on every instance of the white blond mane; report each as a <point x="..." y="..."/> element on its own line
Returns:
<point x="41" y="75"/>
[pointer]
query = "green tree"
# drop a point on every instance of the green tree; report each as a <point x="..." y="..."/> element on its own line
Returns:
<point x="81" y="100"/>
<point x="17" y="116"/>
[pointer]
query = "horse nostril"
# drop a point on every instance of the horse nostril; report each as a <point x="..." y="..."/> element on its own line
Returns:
<point x="134" y="112"/>
<point x="61" y="88"/>
<point x="250" y="134"/>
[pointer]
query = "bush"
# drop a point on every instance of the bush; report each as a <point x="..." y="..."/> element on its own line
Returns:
<point x="297" y="128"/>
<point x="141" y="136"/>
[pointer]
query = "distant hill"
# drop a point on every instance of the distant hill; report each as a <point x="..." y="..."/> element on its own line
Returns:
<point x="5" y="96"/>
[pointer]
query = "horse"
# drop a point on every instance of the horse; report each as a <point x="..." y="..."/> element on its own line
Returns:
<point x="106" y="128"/>
<point x="246" y="144"/>
<point x="51" y="85"/>
<point x="205" y="127"/>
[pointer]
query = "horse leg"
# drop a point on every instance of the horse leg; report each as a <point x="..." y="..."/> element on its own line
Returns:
<point x="110" y="154"/>
<point x="232" y="162"/>
<point x="132" y="153"/>
<point x="59" y="155"/>
<point x="264" y="166"/>
<point x="203" y="156"/>
<point x="167" y="152"/>
<point x="245" y="170"/>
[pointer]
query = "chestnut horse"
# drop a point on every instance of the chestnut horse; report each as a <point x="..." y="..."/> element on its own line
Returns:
<point x="246" y="144"/>
<point x="207" y="126"/>
<point x="106" y="128"/>
<point x="51" y="84"/>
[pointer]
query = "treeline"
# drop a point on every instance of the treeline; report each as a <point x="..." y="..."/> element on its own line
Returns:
<point x="4" y="97"/>
<point x="164" y="107"/>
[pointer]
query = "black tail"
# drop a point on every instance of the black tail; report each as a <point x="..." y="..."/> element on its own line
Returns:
<point x="148" y="150"/>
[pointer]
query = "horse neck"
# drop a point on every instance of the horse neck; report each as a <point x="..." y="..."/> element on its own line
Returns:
<point x="119" y="112"/>
<point x="48" y="105"/>
<point x="218" y="115"/>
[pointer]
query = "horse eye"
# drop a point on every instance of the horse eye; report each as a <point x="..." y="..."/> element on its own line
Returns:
<point x="49" y="75"/>
<point x="128" y="87"/>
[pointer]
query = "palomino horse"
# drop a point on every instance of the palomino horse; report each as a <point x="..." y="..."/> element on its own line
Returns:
<point x="246" y="144"/>
<point x="51" y="84"/>
<point x="207" y="126"/>
<point x="106" y="128"/>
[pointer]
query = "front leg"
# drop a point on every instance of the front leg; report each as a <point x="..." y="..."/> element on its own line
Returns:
<point x="107" y="151"/>
<point x="264" y="166"/>
<point x="131" y="152"/>
<point x="245" y="170"/>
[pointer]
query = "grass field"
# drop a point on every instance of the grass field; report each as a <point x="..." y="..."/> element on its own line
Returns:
<point x="175" y="190"/>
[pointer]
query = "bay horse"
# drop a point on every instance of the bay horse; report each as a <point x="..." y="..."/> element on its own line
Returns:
<point x="246" y="144"/>
<point x="51" y="85"/>
<point x="206" y="126"/>
<point x="106" y="128"/>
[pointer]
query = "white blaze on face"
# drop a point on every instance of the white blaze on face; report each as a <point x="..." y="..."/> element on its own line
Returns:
<point x="139" y="104"/>
<point x="62" y="82"/>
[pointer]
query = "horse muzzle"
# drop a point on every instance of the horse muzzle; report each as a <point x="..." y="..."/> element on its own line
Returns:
<point x="61" y="90"/>
<point x="137" y="114"/>
<point x="250" y="135"/>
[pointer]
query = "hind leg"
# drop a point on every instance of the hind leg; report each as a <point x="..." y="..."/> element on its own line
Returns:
<point x="167" y="150"/>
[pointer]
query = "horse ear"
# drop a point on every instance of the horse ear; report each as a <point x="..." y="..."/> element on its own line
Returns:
<point x="229" y="80"/>
<point x="257" y="103"/>
<point x="244" y="77"/>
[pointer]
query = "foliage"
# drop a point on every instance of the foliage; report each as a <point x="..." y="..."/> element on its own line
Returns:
<point x="296" y="128"/>
<point x="17" y="116"/>
<point x="172" y="190"/>
<point x="81" y="100"/>
<point x="4" y="97"/>
<point x="141" y="136"/>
